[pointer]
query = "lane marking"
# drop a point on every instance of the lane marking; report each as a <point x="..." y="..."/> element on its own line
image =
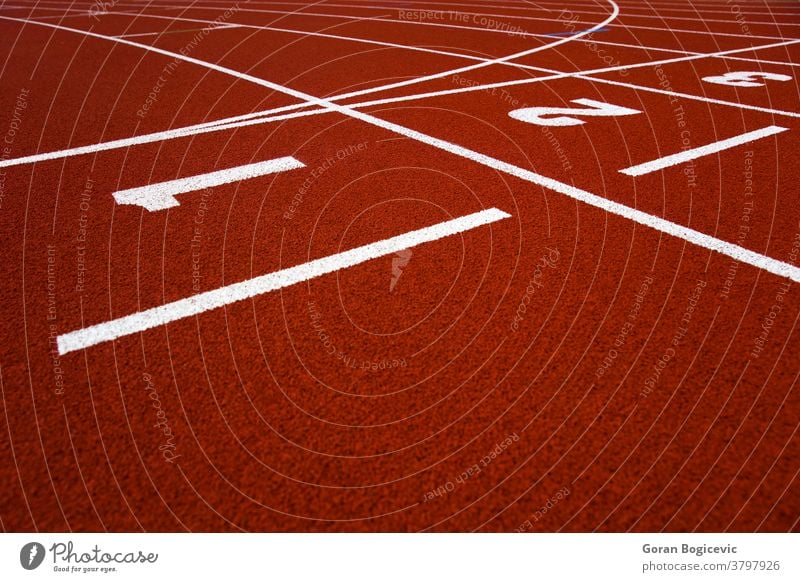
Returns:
<point x="526" y="34"/>
<point x="745" y="78"/>
<point x="259" y="117"/>
<point x="652" y="6"/>
<point x="455" y="26"/>
<point x="164" y="32"/>
<point x="700" y="239"/>
<point x="161" y="196"/>
<point x="569" y="32"/>
<point x="309" y="100"/>
<point x="157" y="316"/>
<point x="592" y="108"/>
<point x="200" y="128"/>
<point x="590" y="40"/>
<point x="693" y="154"/>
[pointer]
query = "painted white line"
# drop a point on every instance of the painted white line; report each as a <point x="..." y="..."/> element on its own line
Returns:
<point x="163" y="32"/>
<point x="309" y="100"/>
<point x="598" y="41"/>
<point x="700" y="239"/>
<point x="688" y="96"/>
<point x="532" y="9"/>
<point x="210" y="126"/>
<point x="415" y="80"/>
<point x="266" y="116"/>
<point x="726" y="54"/>
<point x="538" y="6"/>
<point x="161" y="196"/>
<point x="130" y="324"/>
<point x="582" y="23"/>
<point x="693" y="154"/>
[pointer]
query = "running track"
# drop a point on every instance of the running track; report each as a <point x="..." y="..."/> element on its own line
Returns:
<point x="400" y="266"/>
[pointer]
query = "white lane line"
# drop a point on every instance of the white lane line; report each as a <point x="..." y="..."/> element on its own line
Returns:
<point x="680" y="7"/>
<point x="137" y="322"/>
<point x="693" y="154"/>
<point x="210" y="126"/>
<point x="161" y="196"/>
<point x="456" y="26"/>
<point x="260" y="117"/>
<point x="700" y="239"/>
<point x="526" y="6"/>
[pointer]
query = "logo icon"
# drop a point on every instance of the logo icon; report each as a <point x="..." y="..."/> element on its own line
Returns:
<point x="31" y="555"/>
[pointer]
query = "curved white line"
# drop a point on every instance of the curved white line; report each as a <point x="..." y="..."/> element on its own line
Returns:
<point x="219" y="124"/>
<point x="700" y="239"/>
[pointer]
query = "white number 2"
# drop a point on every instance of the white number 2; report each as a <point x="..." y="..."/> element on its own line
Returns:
<point x="745" y="78"/>
<point x="536" y="115"/>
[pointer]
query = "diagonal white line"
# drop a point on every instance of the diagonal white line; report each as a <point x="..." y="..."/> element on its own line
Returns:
<point x="699" y="152"/>
<point x="309" y="100"/>
<point x="130" y="324"/>
<point x="532" y="9"/>
<point x="207" y="127"/>
<point x="163" y="32"/>
<point x="259" y="117"/>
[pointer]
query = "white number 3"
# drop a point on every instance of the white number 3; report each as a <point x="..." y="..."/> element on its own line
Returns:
<point x="745" y="78"/>
<point x="536" y="115"/>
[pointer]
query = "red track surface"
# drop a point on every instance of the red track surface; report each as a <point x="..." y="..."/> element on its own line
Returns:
<point x="273" y="432"/>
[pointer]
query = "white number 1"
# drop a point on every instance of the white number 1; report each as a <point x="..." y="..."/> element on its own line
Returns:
<point x="745" y="78"/>
<point x="536" y="115"/>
